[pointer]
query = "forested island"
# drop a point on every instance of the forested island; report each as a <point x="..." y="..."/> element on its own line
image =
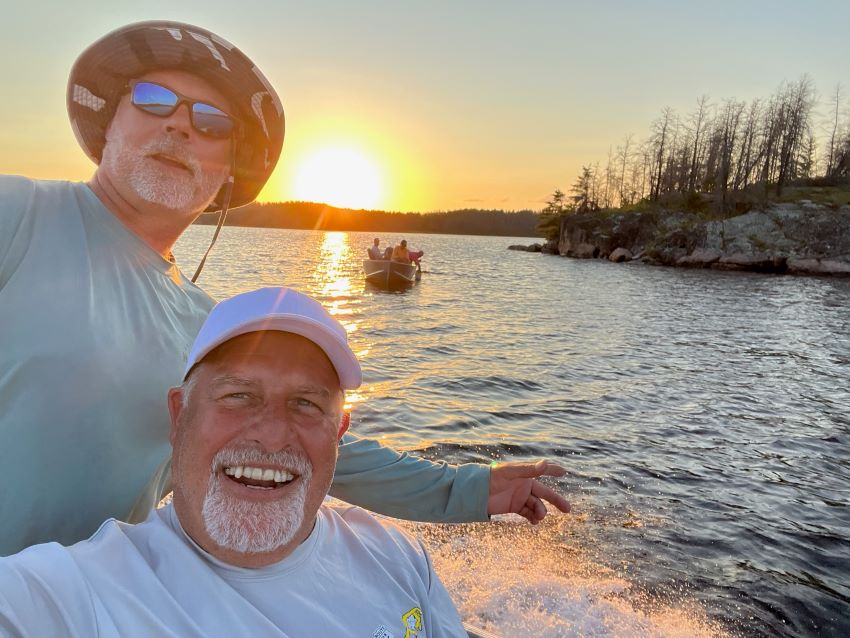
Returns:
<point x="309" y="215"/>
<point x="759" y="186"/>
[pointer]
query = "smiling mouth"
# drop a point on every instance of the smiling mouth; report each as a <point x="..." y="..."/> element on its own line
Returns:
<point x="171" y="161"/>
<point x="259" y="478"/>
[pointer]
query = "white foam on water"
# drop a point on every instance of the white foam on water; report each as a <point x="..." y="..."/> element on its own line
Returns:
<point x="522" y="581"/>
<point x="515" y="580"/>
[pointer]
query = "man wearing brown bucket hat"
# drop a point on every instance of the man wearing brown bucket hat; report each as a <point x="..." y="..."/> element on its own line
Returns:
<point x="96" y="319"/>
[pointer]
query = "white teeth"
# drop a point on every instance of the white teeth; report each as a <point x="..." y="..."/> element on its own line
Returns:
<point x="259" y="474"/>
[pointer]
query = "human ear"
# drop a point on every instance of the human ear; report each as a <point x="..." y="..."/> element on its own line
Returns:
<point x="344" y="422"/>
<point x="175" y="409"/>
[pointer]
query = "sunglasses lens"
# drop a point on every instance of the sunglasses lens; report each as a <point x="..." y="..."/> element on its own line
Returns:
<point x="154" y="99"/>
<point x="211" y="121"/>
<point x="161" y="101"/>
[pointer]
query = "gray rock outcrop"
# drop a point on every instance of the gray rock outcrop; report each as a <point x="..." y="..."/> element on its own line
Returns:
<point x="620" y="254"/>
<point x="819" y="267"/>
<point x="799" y="238"/>
<point x="699" y="258"/>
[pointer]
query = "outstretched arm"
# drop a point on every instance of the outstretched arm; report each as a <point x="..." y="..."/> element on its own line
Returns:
<point x="398" y="484"/>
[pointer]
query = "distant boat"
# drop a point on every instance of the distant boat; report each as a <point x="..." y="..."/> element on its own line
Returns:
<point x="389" y="274"/>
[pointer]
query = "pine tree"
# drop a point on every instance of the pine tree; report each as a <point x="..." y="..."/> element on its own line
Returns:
<point x="550" y="217"/>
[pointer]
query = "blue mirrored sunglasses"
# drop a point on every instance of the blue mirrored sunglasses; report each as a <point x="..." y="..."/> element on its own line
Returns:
<point x="161" y="101"/>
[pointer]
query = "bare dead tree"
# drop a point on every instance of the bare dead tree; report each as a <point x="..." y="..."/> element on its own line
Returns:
<point x="730" y="119"/>
<point x="646" y="172"/>
<point x="680" y="161"/>
<point x="797" y="104"/>
<point x="710" y="178"/>
<point x="698" y="122"/>
<point x="606" y="198"/>
<point x="595" y="184"/>
<point x="833" y="141"/>
<point x="771" y="129"/>
<point x="747" y="155"/>
<point x="624" y="157"/>
<point x="659" y="140"/>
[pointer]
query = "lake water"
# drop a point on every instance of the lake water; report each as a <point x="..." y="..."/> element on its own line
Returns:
<point x="703" y="418"/>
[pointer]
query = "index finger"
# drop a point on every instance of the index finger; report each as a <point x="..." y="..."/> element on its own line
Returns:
<point x="531" y="470"/>
<point x="548" y="468"/>
<point x="548" y="494"/>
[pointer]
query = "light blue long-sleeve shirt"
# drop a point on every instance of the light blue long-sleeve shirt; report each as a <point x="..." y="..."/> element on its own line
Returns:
<point x="94" y="329"/>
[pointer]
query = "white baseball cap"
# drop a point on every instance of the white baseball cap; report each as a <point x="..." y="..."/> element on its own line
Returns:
<point x="281" y="309"/>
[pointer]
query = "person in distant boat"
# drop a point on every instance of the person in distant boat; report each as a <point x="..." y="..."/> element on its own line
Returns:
<point x="247" y="547"/>
<point x="374" y="250"/>
<point x="401" y="253"/>
<point x="97" y="318"/>
<point x="415" y="256"/>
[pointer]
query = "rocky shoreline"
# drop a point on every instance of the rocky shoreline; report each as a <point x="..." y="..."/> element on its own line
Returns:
<point x="802" y="238"/>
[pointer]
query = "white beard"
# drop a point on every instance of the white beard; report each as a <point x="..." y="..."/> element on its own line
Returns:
<point x="250" y="527"/>
<point x="175" y="190"/>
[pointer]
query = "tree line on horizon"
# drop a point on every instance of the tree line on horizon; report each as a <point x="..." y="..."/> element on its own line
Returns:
<point x="315" y="216"/>
<point x="724" y="149"/>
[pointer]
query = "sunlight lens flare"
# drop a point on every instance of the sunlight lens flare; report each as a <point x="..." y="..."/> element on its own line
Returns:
<point x="340" y="177"/>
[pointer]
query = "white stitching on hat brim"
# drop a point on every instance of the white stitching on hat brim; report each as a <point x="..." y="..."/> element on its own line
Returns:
<point x="341" y="356"/>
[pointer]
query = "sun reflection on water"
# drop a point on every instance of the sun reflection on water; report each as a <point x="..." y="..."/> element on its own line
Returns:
<point x="334" y="277"/>
<point x="334" y="284"/>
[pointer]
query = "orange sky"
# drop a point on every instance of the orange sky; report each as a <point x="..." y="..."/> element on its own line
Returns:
<point x="443" y="105"/>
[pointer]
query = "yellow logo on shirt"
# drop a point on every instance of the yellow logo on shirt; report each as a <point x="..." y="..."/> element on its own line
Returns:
<point x="412" y="622"/>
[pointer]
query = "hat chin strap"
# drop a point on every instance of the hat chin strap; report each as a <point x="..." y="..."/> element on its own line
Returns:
<point x="225" y="203"/>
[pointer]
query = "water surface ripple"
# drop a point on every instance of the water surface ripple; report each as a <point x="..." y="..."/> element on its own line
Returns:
<point x="703" y="417"/>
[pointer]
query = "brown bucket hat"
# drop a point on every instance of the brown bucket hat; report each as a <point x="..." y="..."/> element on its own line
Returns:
<point x="100" y="75"/>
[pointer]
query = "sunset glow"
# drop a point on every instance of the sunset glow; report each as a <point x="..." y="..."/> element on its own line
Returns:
<point x="340" y="177"/>
<point x="378" y="116"/>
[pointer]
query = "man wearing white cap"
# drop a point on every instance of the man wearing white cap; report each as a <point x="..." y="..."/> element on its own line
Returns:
<point x="247" y="547"/>
<point x="96" y="318"/>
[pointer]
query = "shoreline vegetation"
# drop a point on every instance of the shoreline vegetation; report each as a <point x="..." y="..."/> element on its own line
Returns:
<point x="735" y="186"/>
<point x="315" y="216"/>
<point x="803" y="238"/>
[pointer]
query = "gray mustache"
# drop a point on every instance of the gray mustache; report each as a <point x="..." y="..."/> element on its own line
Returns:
<point x="177" y="150"/>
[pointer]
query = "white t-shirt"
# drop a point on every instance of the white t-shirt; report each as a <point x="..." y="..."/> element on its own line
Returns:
<point x="353" y="576"/>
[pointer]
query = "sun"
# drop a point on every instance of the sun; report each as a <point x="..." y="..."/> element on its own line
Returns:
<point x="340" y="177"/>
